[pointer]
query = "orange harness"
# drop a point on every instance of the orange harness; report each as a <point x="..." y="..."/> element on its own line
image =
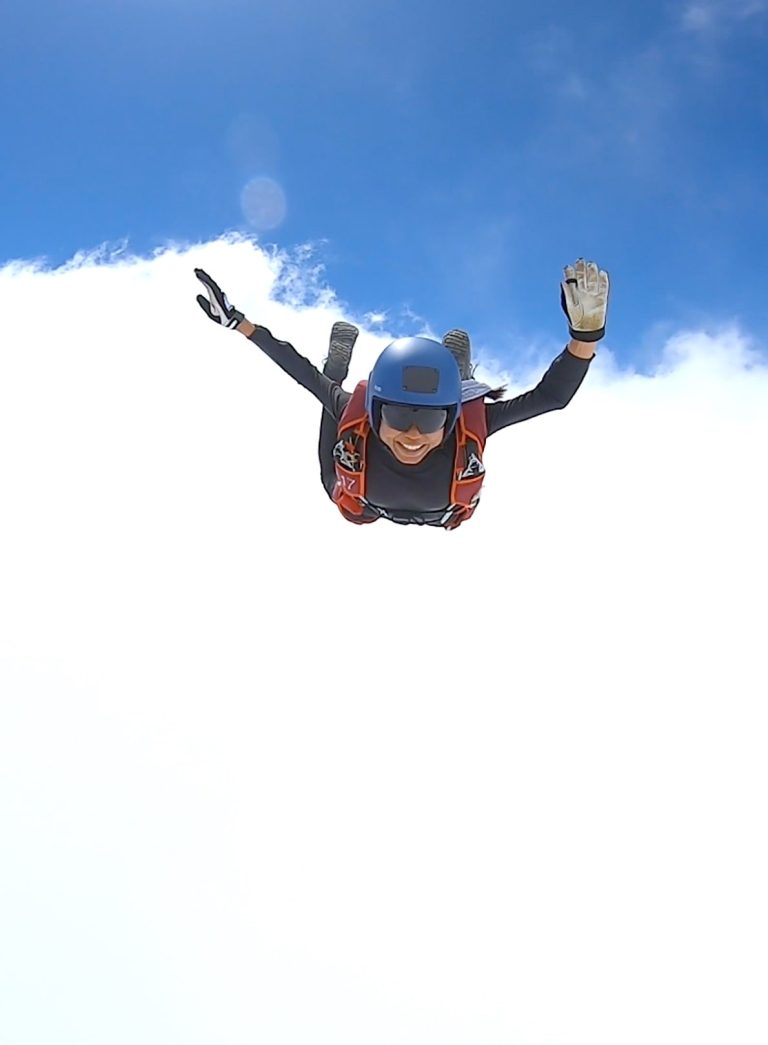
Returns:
<point x="350" y="456"/>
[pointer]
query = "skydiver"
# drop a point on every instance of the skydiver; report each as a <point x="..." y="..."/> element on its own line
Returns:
<point x="407" y="445"/>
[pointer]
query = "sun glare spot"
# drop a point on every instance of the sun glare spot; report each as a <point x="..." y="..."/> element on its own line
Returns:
<point x="263" y="203"/>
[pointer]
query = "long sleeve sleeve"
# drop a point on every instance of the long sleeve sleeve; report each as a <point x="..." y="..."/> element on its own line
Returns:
<point x="555" y="391"/>
<point x="329" y="393"/>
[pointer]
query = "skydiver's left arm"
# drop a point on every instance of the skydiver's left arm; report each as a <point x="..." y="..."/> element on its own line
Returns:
<point x="556" y="389"/>
<point x="584" y="300"/>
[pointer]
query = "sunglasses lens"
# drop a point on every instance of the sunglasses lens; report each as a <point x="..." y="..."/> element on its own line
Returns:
<point x="428" y="419"/>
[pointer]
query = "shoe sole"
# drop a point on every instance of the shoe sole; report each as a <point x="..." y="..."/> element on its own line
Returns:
<point x="342" y="341"/>
<point x="457" y="341"/>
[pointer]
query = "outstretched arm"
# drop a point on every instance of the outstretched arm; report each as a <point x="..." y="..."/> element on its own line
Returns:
<point x="555" y="390"/>
<point x="584" y="299"/>
<point x="302" y="370"/>
<point x="217" y="308"/>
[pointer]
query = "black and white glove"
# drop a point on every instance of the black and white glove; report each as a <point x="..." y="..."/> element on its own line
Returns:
<point x="216" y="306"/>
<point x="584" y="297"/>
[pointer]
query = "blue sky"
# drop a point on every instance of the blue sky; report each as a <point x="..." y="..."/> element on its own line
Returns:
<point x="444" y="162"/>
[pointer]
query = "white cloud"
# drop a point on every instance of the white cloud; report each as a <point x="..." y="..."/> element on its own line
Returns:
<point x="270" y="777"/>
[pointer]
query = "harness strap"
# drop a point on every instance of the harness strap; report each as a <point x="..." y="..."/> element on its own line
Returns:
<point x="350" y="457"/>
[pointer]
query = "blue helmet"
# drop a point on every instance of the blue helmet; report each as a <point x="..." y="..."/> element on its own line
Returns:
<point x="414" y="371"/>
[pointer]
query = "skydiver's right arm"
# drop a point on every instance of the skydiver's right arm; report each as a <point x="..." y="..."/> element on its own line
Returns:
<point x="331" y="395"/>
<point x="217" y="308"/>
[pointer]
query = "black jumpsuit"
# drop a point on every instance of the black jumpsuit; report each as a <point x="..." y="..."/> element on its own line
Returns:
<point x="415" y="493"/>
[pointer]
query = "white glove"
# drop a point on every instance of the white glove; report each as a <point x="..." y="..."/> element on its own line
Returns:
<point x="584" y="297"/>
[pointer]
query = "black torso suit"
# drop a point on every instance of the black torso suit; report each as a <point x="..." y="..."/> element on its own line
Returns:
<point x="415" y="493"/>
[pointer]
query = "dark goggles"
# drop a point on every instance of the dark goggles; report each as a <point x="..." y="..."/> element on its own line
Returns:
<point x="428" y="419"/>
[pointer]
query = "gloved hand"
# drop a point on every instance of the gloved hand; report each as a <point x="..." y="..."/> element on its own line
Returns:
<point x="216" y="307"/>
<point x="584" y="297"/>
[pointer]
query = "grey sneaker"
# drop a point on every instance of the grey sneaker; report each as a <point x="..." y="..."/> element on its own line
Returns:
<point x="458" y="342"/>
<point x="343" y="337"/>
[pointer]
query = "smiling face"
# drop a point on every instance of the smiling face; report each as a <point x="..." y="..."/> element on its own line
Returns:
<point x="409" y="447"/>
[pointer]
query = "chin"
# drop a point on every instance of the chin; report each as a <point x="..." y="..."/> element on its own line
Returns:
<point x="412" y="460"/>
